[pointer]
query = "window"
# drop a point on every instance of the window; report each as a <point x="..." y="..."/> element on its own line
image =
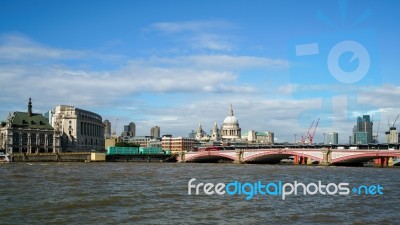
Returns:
<point x="41" y="139"/>
<point x="33" y="139"/>
<point x="24" y="138"/>
<point x="16" y="138"/>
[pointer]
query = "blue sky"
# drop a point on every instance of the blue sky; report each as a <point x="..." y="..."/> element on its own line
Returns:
<point x="180" y="63"/>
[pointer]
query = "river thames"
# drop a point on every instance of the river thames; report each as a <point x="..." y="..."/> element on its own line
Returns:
<point x="157" y="193"/>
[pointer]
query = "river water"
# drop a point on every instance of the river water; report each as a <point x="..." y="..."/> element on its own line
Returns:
<point x="157" y="193"/>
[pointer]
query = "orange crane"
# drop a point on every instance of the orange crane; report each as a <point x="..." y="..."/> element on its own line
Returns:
<point x="303" y="138"/>
<point x="311" y="136"/>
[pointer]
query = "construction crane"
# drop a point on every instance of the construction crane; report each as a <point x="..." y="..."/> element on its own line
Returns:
<point x="389" y="133"/>
<point x="114" y="133"/>
<point x="303" y="138"/>
<point x="393" y="124"/>
<point x="395" y="120"/>
<point x="376" y="137"/>
<point x="311" y="136"/>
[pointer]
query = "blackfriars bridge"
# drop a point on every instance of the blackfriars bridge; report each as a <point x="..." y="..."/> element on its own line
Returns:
<point x="300" y="155"/>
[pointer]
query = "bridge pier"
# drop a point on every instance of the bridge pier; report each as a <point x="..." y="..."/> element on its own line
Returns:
<point x="181" y="156"/>
<point x="239" y="156"/>
<point x="384" y="161"/>
<point x="296" y="160"/>
<point x="302" y="160"/>
<point x="326" y="156"/>
<point x="390" y="161"/>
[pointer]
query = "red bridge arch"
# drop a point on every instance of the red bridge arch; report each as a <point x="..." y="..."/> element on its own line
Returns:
<point x="364" y="157"/>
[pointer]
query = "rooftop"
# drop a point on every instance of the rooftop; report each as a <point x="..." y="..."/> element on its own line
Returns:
<point x="35" y="121"/>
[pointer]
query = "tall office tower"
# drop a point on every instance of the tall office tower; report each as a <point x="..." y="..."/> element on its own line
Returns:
<point x="362" y="132"/>
<point x="107" y="128"/>
<point x="155" y="132"/>
<point x="332" y="138"/>
<point x="129" y="130"/>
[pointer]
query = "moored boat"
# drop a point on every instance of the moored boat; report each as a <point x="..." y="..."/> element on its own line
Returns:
<point x="4" y="158"/>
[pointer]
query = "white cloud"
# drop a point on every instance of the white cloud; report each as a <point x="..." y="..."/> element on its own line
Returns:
<point x="32" y="73"/>
<point x="210" y="41"/>
<point x="221" y="62"/>
<point x="198" y="35"/>
<point x="191" y="26"/>
<point x="286" y="89"/>
<point x="19" y="47"/>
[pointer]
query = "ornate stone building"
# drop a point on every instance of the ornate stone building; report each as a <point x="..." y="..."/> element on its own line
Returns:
<point x="27" y="132"/>
<point x="230" y="127"/>
<point x="215" y="133"/>
<point x="201" y="135"/>
<point x="82" y="130"/>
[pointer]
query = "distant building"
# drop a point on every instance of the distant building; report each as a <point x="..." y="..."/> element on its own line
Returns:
<point x="177" y="144"/>
<point x="332" y="138"/>
<point x="110" y="142"/>
<point x="192" y="134"/>
<point x="260" y="137"/>
<point x="107" y="128"/>
<point x="362" y="132"/>
<point x="265" y="138"/>
<point x="230" y="127"/>
<point x="129" y="130"/>
<point x="140" y="140"/>
<point x="201" y="135"/>
<point x="215" y="133"/>
<point x="28" y="132"/>
<point x="155" y="132"/>
<point x="249" y="136"/>
<point x="82" y="130"/>
<point x="360" y="138"/>
<point x="48" y="115"/>
<point x="392" y="136"/>
<point x="155" y="143"/>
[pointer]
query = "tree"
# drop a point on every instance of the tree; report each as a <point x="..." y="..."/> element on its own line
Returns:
<point x="126" y="144"/>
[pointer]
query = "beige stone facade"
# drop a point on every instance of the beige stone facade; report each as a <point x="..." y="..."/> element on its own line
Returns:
<point x="82" y="130"/>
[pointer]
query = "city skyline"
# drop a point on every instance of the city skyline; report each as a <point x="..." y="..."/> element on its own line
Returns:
<point x="183" y="63"/>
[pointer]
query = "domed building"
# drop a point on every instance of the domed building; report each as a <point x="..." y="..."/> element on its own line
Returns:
<point x="230" y="127"/>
